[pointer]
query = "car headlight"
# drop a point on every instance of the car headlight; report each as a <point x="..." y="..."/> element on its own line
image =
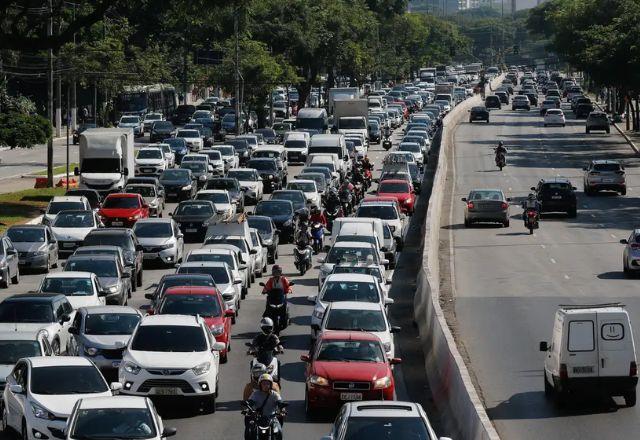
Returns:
<point x="217" y="330"/>
<point x="113" y="289"/>
<point x="201" y="369"/>
<point x="318" y="381"/>
<point x="318" y="313"/>
<point x="288" y="223"/>
<point x="132" y="368"/>
<point x="384" y="382"/>
<point x="268" y="241"/>
<point x="186" y="188"/>
<point x="91" y="351"/>
<point x="166" y="246"/>
<point x="40" y="412"/>
<point x="387" y="346"/>
<point x="202" y="178"/>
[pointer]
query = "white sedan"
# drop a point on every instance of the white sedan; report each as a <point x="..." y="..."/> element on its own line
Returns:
<point x="192" y="138"/>
<point x="554" y="116"/>
<point x="250" y="179"/>
<point x="70" y="228"/>
<point x="309" y="188"/>
<point x="82" y="289"/>
<point x="222" y="201"/>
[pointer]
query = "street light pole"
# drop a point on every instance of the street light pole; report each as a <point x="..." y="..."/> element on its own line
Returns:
<point x="50" y="99"/>
<point x="236" y="32"/>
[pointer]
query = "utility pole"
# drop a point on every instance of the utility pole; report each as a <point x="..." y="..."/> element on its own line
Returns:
<point x="74" y="104"/>
<point x="58" y="89"/>
<point x="50" y="100"/>
<point x="236" y="32"/>
<point x="69" y="87"/>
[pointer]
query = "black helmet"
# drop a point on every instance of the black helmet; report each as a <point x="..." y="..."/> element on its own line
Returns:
<point x="276" y="270"/>
<point x="500" y="143"/>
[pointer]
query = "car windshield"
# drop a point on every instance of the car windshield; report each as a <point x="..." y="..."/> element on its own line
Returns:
<point x="195" y="166"/>
<point x="295" y="143"/>
<point x="348" y="254"/>
<point x="194" y="209"/>
<point x="176" y="144"/>
<point x="177" y="281"/>
<point x="229" y="117"/>
<point x="266" y="153"/>
<point x="162" y="125"/>
<point x="365" y="270"/>
<point x="169" y="338"/>
<point x="201" y="305"/>
<point x="150" y="153"/>
<point x="222" y="258"/>
<point x="71" y="379"/>
<point x="273" y="207"/>
<point x="179" y="175"/>
<point x="218" y="273"/>
<point x="225" y="151"/>
<point x="350" y="351"/>
<point x="552" y="187"/>
<point x="130" y="120"/>
<point x="350" y="291"/>
<point x="56" y="207"/>
<point x="68" y="286"/>
<point x="195" y="158"/>
<point x="153" y="229"/>
<point x="606" y="167"/>
<point x="318" y="179"/>
<point x="110" y="323"/>
<point x="240" y="146"/>
<point x="74" y="220"/>
<point x="188" y="134"/>
<point x="393" y="187"/>
<point x="228" y="184"/>
<point x="121" y="240"/>
<point x="323" y="170"/>
<point x="486" y="195"/>
<point x="378" y="428"/>
<point x="245" y="175"/>
<point x="237" y="242"/>
<point x="413" y="148"/>
<point x="263" y="165"/>
<point x="352" y="124"/>
<point x="263" y="225"/>
<point x="113" y="423"/>
<point x="121" y="203"/>
<point x="12" y="351"/>
<point x="144" y="191"/>
<point x="216" y="198"/>
<point x="26" y="235"/>
<point x="213" y="155"/>
<point x="302" y="186"/>
<point x="152" y="117"/>
<point x="26" y="312"/>
<point x="358" y="320"/>
<point x="105" y="268"/>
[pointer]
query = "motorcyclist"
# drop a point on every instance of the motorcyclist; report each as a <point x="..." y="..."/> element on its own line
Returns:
<point x="303" y="236"/>
<point x="266" y="341"/>
<point x="387" y="132"/>
<point x="266" y="401"/>
<point x="346" y="186"/>
<point x="277" y="281"/>
<point x="317" y="216"/>
<point x="500" y="149"/>
<point x="367" y="164"/>
<point x="257" y="370"/>
<point x="333" y="200"/>
<point x="531" y="202"/>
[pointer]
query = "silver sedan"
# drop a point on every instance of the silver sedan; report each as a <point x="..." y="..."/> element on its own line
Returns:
<point x="631" y="254"/>
<point x="486" y="206"/>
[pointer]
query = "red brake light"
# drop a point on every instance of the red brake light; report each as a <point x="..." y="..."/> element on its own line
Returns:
<point x="633" y="369"/>
<point x="504" y="205"/>
<point x="564" y="375"/>
<point x="470" y="205"/>
<point x="531" y="213"/>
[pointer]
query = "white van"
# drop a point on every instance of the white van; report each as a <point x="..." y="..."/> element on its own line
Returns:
<point x="324" y="158"/>
<point x="363" y="232"/>
<point x="296" y="144"/>
<point x="332" y="144"/>
<point x="339" y="222"/>
<point x="591" y="349"/>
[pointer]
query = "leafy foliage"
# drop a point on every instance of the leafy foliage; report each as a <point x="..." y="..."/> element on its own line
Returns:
<point x="23" y="130"/>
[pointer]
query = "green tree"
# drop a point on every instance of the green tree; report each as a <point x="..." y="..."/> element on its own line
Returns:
<point x="19" y="130"/>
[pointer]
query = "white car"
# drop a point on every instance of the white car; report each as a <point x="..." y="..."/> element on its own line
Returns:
<point x="216" y="161"/>
<point x="554" y="116"/>
<point x="309" y="188"/>
<point x="359" y="316"/>
<point x="413" y="148"/>
<point x="224" y="279"/>
<point x="150" y="161"/>
<point x="192" y="138"/>
<point x="161" y="240"/>
<point x="229" y="156"/>
<point x="133" y="122"/>
<point x="250" y="180"/>
<point x="346" y="287"/>
<point x="230" y="258"/>
<point x="169" y="155"/>
<point x="149" y="119"/>
<point x="362" y="268"/>
<point x="16" y="345"/>
<point x="82" y="289"/>
<point x="110" y="417"/>
<point x="172" y="355"/>
<point x="348" y="251"/>
<point x="261" y="252"/>
<point x="70" y="228"/>
<point x="388" y="212"/>
<point x="41" y="392"/>
<point x="296" y="145"/>
<point x="64" y="203"/>
<point x="222" y="201"/>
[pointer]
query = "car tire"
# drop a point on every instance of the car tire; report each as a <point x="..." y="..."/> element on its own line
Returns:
<point x="623" y="192"/>
<point x="506" y="224"/>
<point x="588" y="131"/>
<point x="572" y="213"/>
<point x="209" y="403"/>
<point x="24" y="435"/>
<point x="467" y="223"/>
<point x="139" y="278"/>
<point x="608" y="131"/>
<point x="630" y="398"/>
<point x="243" y="293"/>
<point x="4" y="283"/>
<point x="16" y="278"/>
<point x="545" y="125"/>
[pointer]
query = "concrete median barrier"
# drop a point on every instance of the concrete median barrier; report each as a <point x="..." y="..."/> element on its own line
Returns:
<point x="453" y="391"/>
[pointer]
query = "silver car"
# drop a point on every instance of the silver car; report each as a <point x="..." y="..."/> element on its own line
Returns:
<point x="161" y="240"/>
<point x="604" y="175"/>
<point x="9" y="269"/>
<point x="631" y="254"/>
<point x="113" y="277"/>
<point x="101" y="333"/>
<point x="486" y="206"/>
<point x="36" y="245"/>
<point x="151" y="196"/>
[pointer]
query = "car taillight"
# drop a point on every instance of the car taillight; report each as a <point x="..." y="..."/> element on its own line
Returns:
<point x="633" y="369"/>
<point x="620" y="172"/>
<point x="504" y="205"/>
<point x="564" y="375"/>
<point x="531" y="213"/>
<point x="470" y="205"/>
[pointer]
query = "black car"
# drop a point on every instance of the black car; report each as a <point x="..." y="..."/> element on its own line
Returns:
<point x="161" y="130"/>
<point x="112" y="276"/>
<point x="232" y="186"/>
<point x="194" y="217"/>
<point x="492" y="102"/>
<point x="242" y="150"/>
<point x="93" y="196"/>
<point x="272" y="175"/>
<point x="80" y="129"/>
<point x="183" y="114"/>
<point x="269" y="234"/>
<point x="557" y="195"/>
<point x="533" y="97"/>
<point x="199" y="170"/>
<point x="214" y="126"/>
<point x="295" y="196"/>
<point x="416" y="176"/>
<point x="583" y="109"/>
<point x="269" y="134"/>
<point x="479" y="113"/>
<point x="504" y="96"/>
<point x="282" y="214"/>
<point x="179" y="147"/>
<point x="178" y="183"/>
<point x="126" y="239"/>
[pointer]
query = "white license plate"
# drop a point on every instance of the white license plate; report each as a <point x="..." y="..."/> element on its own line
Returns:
<point x="162" y="391"/>
<point x="172" y="195"/>
<point x="607" y="180"/>
<point x="556" y="197"/>
<point x="115" y="364"/>
<point x="116" y="223"/>
<point x="191" y="230"/>
<point x="67" y="245"/>
<point x="350" y="396"/>
<point x="583" y="370"/>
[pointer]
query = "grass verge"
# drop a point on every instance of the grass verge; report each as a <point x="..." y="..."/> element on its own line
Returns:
<point x="58" y="170"/>
<point x="21" y="206"/>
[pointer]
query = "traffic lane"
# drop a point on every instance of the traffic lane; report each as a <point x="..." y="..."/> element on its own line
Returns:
<point x="508" y="284"/>
<point x="20" y="161"/>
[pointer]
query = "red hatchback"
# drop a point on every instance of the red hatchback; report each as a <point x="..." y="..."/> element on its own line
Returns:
<point x="205" y="302"/>
<point x="347" y="366"/>
<point x="123" y="209"/>
<point x="400" y="190"/>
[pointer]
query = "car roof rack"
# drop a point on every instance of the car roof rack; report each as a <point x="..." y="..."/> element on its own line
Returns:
<point x="590" y="306"/>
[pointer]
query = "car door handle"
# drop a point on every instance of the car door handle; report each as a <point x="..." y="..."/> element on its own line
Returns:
<point x="602" y="363"/>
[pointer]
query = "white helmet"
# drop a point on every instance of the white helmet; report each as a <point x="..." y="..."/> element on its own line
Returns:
<point x="266" y="324"/>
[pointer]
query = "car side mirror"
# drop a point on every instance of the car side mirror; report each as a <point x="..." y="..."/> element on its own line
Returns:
<point x="169" y="432"/>
<point x="237" y="281"/>
<point x="76" y="171"/>
<point x="395" y="361"/>
<point x="395" y="329"/>
<point x="384" y="261"/>
<point x="139" y="248"/>
<point x="145" y="307"/>
<point x="253" y="251"/>
<point x="65" y="318"/>
<point x="115" y="386"/>
<point x="311" y="298"/>
<point x="388" y="301"/>
<point x="218" y="346"/>
<point x="126" y="171"/>
<point x="305" y="358"/>
<point x="624" y="241"/>
<point x="16" y="389"/>
<point x="544" y="346"/>
<point x="229" y="313"/>
<point x="533" y="188"/>
<point x="464" y="199"/>
<point x="73" y="330"/>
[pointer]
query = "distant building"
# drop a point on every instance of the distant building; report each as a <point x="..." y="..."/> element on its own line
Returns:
<point x="437" y="7"/>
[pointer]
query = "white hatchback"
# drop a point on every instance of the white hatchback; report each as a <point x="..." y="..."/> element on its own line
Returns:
<point x="554" y="116"/>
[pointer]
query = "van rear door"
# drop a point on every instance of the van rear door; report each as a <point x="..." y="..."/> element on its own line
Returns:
<point x="582" y="350"/>
<point x="615" y="344"/>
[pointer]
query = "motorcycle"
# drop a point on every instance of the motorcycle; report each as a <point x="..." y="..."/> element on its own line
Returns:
<point x="501" y="160"/>
<point x="531" y="220"/>
<point x="317" y="233"/>
<point x="277" y="309"/>
<point x="333" y="214"/>
<point x="267" y="358"/>
<point x="263" y="427"/>
<point x="368" y="177"/>
<point x="346" y="200"/>
<point x="358" y="190"/>
<point x="387" y="144"/>
<point x="302" y="253"/>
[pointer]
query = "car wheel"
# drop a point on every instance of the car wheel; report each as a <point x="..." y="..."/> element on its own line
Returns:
<point x="572" y="213"/>
<point x="4" y="425"/>
<point x="243" y="293"/>
<point x="16" y="277"/>
<point x="506" y="224"/>
<point x="588" y="131"/>
<point x="608" y="131"/>
<point x="253" y="277"/>
<point x="630" y="398"/>
<point x="264" y="269"/>
<point x="25" y="433"/>
<point x="623" y="192"/>
<point x="209" y="403"/>
<point x="467" y="223"/>
<point x="4" y="283"/>
<point x="139" y="278"/>
<point x="548" y="389"/>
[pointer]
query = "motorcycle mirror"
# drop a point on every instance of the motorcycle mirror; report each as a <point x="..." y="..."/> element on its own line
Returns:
<point x="261" y="284"/>
<point x="464" y="199"/>
<point x="248" y="344"/>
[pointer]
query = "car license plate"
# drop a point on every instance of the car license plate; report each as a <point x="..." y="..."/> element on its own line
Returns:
<point x="163" y="391"/>
<point x="556" y="197"/>
<point x="116" y="223"/>
<point x="607" y="180"/>
<point x="115" y="364"/>
<point x="68" y="245"/>
<point x="172" y="195"/>
<point x="583" y="370"/>
<point x="350" y="396"/>
<point x="191" y="230"/>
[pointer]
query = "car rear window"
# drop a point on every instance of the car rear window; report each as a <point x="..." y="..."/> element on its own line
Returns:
<point x="548" y="187"/>
<point x="607" y="167"/>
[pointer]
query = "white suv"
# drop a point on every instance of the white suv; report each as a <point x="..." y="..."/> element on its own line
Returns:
<point x="172" y="355"/>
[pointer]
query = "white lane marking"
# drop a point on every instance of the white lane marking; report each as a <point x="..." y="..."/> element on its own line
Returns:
<point x="613" y="235"/>
<point x="593" y="215"/>
<point x="543" y="246"/>
<point x="510" y="189"/>
<point x="567" y="277"/>
<point x="552" y="260"/>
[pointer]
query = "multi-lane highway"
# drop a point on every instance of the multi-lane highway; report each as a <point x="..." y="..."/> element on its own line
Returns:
<point x="508" y="283"/>
<point x="227" y="422"/>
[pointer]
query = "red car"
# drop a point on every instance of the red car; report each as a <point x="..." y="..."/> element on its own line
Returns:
<point x="205" y="302"/>
<point x="123" y="210"/>
<point x="347" y="366"/>
<point x="400" y="190"/>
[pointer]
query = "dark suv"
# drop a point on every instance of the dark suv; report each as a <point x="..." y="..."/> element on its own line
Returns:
<point x="478" y="113"/>
<point x="583" y="109"/>
<point x="598" y="121"/>
<point x="557" y="195"/>
<point x="492" y="101"/>
<point x="232" y="186"/>
<point x="183" y="114"/>
<point x="131" y="249"/>
<point x="161" y="130"/>
<point x="272" y="176"/>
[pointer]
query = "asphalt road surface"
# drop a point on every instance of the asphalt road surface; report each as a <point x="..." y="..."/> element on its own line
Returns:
<point x="227" y="422"/>
<point x="508" y="283"/>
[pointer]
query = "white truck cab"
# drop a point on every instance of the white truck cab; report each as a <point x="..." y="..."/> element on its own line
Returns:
<point x="591" y="350"/>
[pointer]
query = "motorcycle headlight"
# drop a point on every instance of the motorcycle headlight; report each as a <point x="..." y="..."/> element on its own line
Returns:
<point x="270" y="176"/>
<point x="40" y="412"/>
<point x="132" y="368"/>
<point x="384" y="382"/>
<point x="186" y="188"/>
<point x="318" y="381"/>
<point x="217" y="330"/>
<point x="91" y="351"/>
<point x="201" y="369"/>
